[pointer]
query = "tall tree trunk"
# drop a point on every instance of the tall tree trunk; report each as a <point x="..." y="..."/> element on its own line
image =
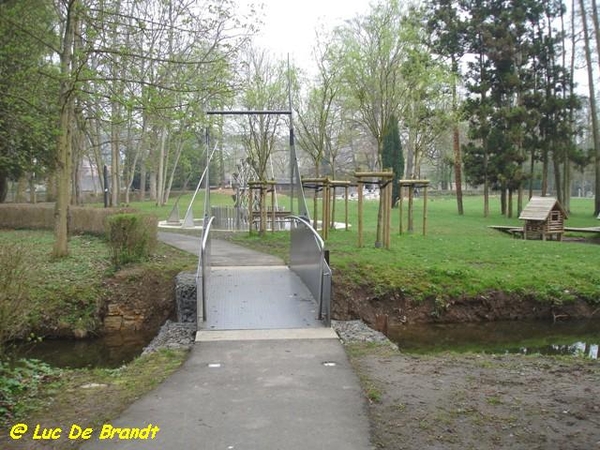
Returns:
<point x="142" y="193"/>
<point x="64" y="140"/>
<point x="486" y="197"/>
<point x="545" y="167"/>
<point x="456" y="142"/>
<point x="160" y="188"/>
<point x="178" y="152"/>
<point x="379" y="234"/>
<point x="594" y="113"/>
<point x="3" y="187"/>
<point x="596" y="28"/>
<point x="77" y="157"/>
<point x="153" y="188"/>
<point x="115" y="144"/>
<point x="558" y="178"/>
<point x="568" y="174"/>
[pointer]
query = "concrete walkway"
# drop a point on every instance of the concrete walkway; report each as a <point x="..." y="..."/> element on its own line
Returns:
<point x="288" y="389"/>
<point x="223" y="253"/>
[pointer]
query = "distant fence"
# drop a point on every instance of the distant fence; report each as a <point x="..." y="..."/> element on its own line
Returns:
<point x="231" y="218"/>
<point x="41" y="216"/>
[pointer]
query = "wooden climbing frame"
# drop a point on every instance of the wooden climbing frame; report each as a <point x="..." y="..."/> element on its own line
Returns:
<point x="384" y="181"/>
<point x="411" y="185"/>
<point x="328" y="188"/>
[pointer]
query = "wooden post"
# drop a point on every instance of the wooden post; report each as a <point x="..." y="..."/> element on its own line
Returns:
<point x="389" y="214"/>
<point x="250" y="210"/>
<point x="346" y="205"/>
<point x="400" y="208"/>
<point x="424" y="210"/>
<point x="273" y="215"/>
<point x="263" y="210"/>
<point x="332" y="207"/>
<point x="325" y="218"/>
<point x="360" y="213"/>
<point x="411" y="191"/>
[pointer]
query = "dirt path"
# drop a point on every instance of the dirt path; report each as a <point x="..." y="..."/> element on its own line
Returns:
<point x="480" y="402"/>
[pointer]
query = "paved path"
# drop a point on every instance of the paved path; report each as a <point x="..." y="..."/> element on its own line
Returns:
<point x="288" y="389"/>
<point x="223" y="253"/>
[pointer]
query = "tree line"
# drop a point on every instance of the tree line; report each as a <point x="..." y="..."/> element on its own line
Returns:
<point x="482" y="91"/>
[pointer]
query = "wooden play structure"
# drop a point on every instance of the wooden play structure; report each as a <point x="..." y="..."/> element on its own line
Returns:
<point x="328" y="188"/>
<point x="411" y="186"/>
<point x="260" y="214"/>
<point x="544" y="218"/>
<point x="384" y="181"/>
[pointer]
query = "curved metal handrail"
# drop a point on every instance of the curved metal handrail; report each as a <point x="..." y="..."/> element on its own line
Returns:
<point x="311" y="266"/>
<point x="204" y="266"/>
<point x="317" y="236"/>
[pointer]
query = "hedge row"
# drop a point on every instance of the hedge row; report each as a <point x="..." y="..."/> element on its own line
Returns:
<point x="41" y="216"/>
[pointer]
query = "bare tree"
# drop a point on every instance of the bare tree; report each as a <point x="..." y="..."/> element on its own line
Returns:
<point x="69" y="11"/>
<point x="594" y="112"/>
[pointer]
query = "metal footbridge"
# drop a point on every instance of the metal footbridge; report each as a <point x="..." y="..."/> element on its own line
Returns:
<point x="243" y="290"/>
<point x="243" y="294"/>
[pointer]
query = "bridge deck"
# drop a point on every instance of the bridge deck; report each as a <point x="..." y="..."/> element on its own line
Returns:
<point x="258" y="297"/>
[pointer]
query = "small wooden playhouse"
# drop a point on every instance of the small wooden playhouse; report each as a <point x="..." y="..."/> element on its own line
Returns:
<point x="544" y="218"/>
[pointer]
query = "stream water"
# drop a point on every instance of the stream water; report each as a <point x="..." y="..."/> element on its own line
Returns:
<point x="561" y="338"/>
<point x="527" y="337"/>
<point x="109" y="351"/>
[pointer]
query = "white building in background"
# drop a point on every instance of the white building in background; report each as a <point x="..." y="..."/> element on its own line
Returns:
<point x="89" y="178"/>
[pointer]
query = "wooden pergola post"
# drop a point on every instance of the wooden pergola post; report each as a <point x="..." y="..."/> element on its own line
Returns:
<point x="360" y="213"/>
<point x="388" y="214"/>
<point x="273" y="212"/>
<point x="411" y="194"/>
<point x="262" y="187"/>
<point x="346" y="204"/>
<point x="384" y="180"/>
<point x="411" y="185"/>
<point x="400" y="209"/>
<point x="425" y="209"/>
<point x="325" y="218"/>
<point x="328" y="188"/>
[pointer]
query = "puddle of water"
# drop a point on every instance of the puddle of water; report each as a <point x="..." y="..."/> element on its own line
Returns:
<point x="526" y="337"/>
<point x="109" y="351"/>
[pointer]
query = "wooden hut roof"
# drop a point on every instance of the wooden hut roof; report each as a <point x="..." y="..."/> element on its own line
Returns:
<point x="539" y="208"/>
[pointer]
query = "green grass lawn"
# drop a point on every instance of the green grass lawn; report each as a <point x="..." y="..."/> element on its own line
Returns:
<point x="65" y="294"/>
<point x="459" y="256"/>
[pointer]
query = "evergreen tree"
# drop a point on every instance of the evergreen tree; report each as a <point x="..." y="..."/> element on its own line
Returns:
<point x="392" y="156"/>
<point x="518" y="102"/>
<point x="446" y="38"/>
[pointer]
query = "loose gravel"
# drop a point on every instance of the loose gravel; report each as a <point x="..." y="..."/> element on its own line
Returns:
<point x="182" y="335"/>
<point x="353" y="331"/>
<point x="173" y="335"/>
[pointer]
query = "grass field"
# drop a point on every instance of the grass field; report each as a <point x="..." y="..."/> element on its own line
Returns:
<point x="459" y="256"/>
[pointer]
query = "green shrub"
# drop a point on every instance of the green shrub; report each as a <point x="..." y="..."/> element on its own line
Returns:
<point x="131" y="237"/>
<point x="20" y="385"/>
<point x="26" y="215"/>
<point x="84" y="219"/>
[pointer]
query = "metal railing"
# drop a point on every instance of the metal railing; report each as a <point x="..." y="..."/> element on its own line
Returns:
<point x="307" y="260"/>
<point x="203" y="271"/>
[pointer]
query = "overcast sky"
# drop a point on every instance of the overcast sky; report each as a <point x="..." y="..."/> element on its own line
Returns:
<point x="289" y="26"/>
